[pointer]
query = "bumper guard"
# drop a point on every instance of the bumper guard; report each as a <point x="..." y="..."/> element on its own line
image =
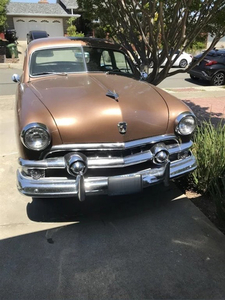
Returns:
<point x="52" y="187"/>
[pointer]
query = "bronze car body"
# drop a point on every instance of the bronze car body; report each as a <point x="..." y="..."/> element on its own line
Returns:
<point x="87" y="124"/>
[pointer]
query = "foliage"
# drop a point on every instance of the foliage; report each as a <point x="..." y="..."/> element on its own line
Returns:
<point x="3" y="4"/>
<point x="217" y="192"/>
<point x="209" y="148"/>
<point x="71" y="29"/>
<point x="147" y="26"/>
<point x="199" y="43"/>
<point x="209" y="177"/>
<point x="197" y="46"/>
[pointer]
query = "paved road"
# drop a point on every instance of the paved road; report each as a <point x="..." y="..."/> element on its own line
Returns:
<point x="154" y="245"/>
<point x="7" y="86"/>
<point x="181" y="80"/>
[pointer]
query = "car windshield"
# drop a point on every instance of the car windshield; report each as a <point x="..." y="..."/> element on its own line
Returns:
<point x="79" y="59"/>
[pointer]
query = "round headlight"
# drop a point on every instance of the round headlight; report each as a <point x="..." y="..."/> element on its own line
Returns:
<point x="185" y="124"/>
<point x="35" y="136"/>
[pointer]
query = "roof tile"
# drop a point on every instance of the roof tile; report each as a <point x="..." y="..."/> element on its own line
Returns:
<point x="70" y="4"/>
<point x="20" y="8"/>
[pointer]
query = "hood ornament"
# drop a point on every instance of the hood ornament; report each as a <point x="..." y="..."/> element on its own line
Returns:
<point x="113" y="95"/>
<point x="122" y="127"/>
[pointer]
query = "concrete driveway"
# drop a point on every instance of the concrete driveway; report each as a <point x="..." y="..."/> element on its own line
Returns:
<point x="154" y="245"/>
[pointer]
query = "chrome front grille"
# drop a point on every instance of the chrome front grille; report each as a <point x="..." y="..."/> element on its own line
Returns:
<point x="114" y="151"/>
<point x="107" y="159"/>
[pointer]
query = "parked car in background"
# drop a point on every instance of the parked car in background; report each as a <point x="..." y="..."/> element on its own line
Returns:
<point x="36" y="34"/>
<point x="87" y="124"/>
<point x="211" y="68"/>
<point x="182" y="61"/>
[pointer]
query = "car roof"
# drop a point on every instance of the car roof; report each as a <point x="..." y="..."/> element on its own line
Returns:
<point x="37" y="31"/>
<point x="216" y="52"/>
<point x="72" y="41"/>
<point x="213" y="53"/>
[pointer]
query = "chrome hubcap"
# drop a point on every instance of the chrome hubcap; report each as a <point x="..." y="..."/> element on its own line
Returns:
<point x="183" y="63"/>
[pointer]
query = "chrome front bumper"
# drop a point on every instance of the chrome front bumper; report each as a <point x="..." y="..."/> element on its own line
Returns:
<point x="52" y="187"/>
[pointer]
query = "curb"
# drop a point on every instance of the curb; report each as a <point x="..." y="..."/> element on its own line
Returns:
<point x="195" y="89"/>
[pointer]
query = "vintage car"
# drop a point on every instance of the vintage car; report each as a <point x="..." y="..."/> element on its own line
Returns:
<point x="87" y="124"/>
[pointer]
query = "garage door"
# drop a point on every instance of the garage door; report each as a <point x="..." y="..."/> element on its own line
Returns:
<point x="53" y="26"/>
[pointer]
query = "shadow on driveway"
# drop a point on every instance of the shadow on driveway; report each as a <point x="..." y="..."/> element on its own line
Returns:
<point x="204" y="113"/>
<point x="155" y="245"/>
<point x="198" y="82"/>
<point x="71" y="209"/>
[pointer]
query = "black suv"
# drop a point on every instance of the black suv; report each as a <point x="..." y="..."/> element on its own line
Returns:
<point x="36" y="34"/>
<point x="211" y="68"/>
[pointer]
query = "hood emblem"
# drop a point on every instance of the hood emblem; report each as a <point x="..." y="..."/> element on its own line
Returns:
<point x="122" y="127"/>
<point x="113" y="95"/>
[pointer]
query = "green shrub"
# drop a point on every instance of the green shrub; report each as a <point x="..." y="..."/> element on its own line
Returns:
<point x="209" y="149"/>
<point x="197" y="46"/>
<point x="71" y="29"/>
<point x="217" y="193"/>
<point x="209" y="177"/>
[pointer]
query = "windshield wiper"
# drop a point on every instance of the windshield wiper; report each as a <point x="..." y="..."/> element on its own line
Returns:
<point x="50" y="73"/>
<point x="113" y="71"/>
<point x="118" y="72"/>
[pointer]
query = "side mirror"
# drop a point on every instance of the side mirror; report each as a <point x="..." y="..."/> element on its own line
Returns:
<point x="16" y="78"/>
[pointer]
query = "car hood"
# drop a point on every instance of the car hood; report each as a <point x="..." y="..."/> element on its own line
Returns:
<point x="84" y="113"/>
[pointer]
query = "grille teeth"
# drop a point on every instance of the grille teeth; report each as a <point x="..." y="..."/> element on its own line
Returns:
<point x="103" y="153"/>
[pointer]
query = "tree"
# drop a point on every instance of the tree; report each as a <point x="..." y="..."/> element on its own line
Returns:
<point x="71" y="29"/>
<point x="154" y="30"/>
<point x="3" y="5"/>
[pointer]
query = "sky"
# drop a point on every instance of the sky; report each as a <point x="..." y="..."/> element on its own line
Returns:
<point x="32" y="1"/>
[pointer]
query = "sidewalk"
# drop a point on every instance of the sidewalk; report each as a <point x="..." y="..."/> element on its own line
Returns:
<point x="207" y="102"/>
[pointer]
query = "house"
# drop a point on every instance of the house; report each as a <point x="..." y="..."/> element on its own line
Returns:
<point x="51" y="17"/>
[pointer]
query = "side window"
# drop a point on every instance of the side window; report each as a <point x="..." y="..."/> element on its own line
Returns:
<point x="122" y="63"/>
<point x="106" y="62"/>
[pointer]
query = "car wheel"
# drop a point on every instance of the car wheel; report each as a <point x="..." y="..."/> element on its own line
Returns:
<point x="183" y="63"/>
<point x="218" y="79"/>
<point x="194" y="77"/>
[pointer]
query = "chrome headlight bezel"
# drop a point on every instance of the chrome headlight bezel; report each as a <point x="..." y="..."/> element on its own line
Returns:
<point x="180" y="122"/>
<point x="35" y="129"/>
